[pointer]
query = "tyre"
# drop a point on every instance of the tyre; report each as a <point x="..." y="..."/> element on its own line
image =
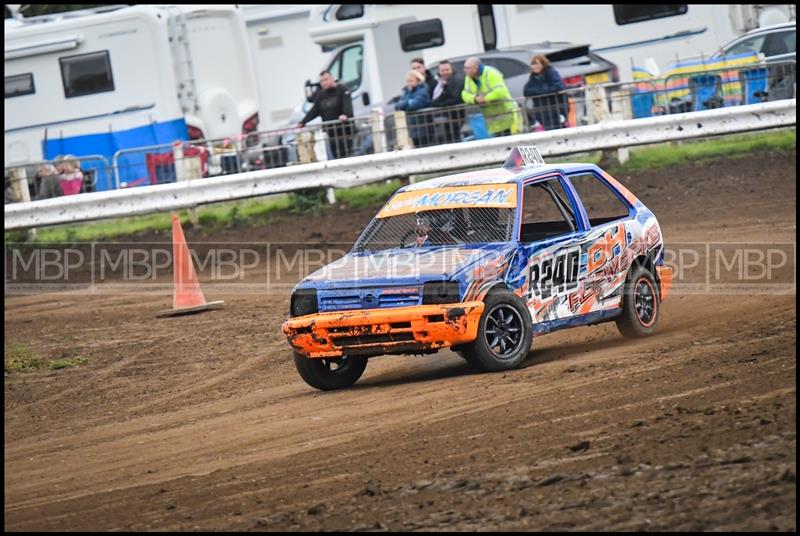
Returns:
<point x="472" y="361"/>
<point x="641" y="304"/>
<point x="504" y="333"/>
<point x="330" y="374"/>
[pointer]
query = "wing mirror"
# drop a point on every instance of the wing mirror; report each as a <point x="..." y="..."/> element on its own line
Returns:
<point x="311" y="90"/>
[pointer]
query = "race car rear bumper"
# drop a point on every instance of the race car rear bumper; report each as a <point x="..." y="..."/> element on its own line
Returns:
<point x="398" y="330"/>
<point x="665" y="280"/>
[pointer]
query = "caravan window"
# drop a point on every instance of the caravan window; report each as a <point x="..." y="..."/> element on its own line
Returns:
<point x="350" y="11"/>
<point x="488" y="28"/>
<point x="422" y="34"/>
<point x="19" y="84"/>
<point x="630" y="13"/>
<point x="351" y="67"/>
<point x="86" y="74"/>
<point x="347" y="67"/>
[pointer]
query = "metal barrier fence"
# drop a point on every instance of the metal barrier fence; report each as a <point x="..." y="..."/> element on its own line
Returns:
<point x="63" y="175"/>
<point x="354" y="171"/>
<point x="381" y="132"/>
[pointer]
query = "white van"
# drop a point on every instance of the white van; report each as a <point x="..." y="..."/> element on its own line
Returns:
<point x="97" y="81"/>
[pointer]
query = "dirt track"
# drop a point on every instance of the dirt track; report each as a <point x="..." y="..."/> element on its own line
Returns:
<point x="201" y="422"/>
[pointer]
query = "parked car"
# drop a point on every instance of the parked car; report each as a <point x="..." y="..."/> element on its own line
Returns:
<point x="577" y="65"/>
<point x="778" y="44"/>
<point x="482" y="263"/>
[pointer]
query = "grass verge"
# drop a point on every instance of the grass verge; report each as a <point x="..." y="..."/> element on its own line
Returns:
<point x="20" y="358"/>
<point x="255" y="211"/>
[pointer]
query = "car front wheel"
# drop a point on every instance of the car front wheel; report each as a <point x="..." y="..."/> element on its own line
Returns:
<point x="504" y="333"/>
<point x="330" y="374"/>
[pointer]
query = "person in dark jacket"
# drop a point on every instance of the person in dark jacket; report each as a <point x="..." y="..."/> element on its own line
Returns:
<point x="333" y="103"/>
<point x="418" y="65"/>
<point x="415" y="97"/>
<point x="544" y="86"/>
<point x="447" y="93"/>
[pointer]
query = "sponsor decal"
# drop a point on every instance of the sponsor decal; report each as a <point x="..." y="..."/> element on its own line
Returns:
<point x="479" y="196"/>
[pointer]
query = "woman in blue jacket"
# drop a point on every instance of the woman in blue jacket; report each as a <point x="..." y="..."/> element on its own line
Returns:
<point x="544" y="86"/>
<point x="416" y="97"/>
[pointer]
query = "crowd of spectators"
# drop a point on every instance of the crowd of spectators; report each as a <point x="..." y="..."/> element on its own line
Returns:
<point x="433" y="104"/>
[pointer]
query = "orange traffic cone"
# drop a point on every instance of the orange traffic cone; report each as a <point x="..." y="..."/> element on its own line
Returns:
<point x="187" y="296"/>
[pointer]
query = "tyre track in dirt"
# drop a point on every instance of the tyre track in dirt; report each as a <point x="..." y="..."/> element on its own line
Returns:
<point x="229" y="438"/>
<point x="224" y="487"/>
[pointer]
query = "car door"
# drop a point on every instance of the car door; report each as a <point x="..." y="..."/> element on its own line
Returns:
<point x="550" y="232"/>
<point x="608" y="246"/>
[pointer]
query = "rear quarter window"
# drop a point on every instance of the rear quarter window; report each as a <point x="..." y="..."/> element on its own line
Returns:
<point x="600" y="201"/>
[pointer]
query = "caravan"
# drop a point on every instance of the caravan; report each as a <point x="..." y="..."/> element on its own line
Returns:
<point x="117" y="77"/>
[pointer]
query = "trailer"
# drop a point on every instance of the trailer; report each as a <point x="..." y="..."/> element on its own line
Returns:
<point x="103" y="80"/>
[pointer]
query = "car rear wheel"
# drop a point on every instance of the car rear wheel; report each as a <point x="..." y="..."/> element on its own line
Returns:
<point x="641" y="304"/>
<point x="504" y="333"/>
<point x="330" y="374"/>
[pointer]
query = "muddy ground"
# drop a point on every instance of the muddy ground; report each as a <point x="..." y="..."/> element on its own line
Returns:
<point x="202" y="423"/>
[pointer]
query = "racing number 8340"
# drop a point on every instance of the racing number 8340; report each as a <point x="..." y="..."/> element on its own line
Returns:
<point x="555" y="275"/>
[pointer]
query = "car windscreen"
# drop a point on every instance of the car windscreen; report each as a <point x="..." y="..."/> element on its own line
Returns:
<point x="454" y="226"/>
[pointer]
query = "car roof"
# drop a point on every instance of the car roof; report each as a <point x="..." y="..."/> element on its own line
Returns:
<point x="547" y="47"/>
<point x="495" y="176"/>
<point x="771" y="27"/>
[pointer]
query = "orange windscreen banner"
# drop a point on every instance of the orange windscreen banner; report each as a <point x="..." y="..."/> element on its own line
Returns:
<point x="475" y="196"/>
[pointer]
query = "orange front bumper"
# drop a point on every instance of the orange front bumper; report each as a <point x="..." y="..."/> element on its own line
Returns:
<point x="384" y="331"/>
<point x="665" y="278"/>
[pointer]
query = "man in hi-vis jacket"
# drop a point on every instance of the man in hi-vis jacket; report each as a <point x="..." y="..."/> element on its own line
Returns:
<point x="485" y="85"/>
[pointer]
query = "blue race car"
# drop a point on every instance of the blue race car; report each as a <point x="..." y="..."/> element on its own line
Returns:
<point x="481" y="262"/>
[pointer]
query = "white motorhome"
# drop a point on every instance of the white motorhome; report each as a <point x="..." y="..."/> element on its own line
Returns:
<point x="371" y="45"/>
<point x="284" y="57"/>
<point x="96" y="81"/>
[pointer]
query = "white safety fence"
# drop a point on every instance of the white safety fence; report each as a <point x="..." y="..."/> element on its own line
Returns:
<point x="358" y="170"/>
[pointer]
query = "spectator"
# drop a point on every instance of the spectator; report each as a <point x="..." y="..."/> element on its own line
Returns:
<point x="545" y="85"/>
<point x="485" y="85"/>
<point x="418" y="65"/>
<point x="446" y="93"/>
<point x="415" y="97"/>
<point x="71" y="179"/>
<point x="48" y="179"/>
<point x="333" y="102"/>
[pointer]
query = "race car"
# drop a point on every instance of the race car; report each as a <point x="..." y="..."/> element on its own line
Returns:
<point x="482" y="262"/>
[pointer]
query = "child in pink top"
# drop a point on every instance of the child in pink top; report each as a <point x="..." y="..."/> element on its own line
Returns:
<point x="71" y="177"/>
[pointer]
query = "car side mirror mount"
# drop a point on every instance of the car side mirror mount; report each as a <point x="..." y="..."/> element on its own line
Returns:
<point x="365" y="98"/>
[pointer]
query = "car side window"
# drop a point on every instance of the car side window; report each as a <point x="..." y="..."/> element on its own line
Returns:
<point x="546" y="211"/>
<point x="748" y="45"/>
<point x="778" y="43"/>
<point x="508" y="66"/>
<point x="602" y="205"/>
